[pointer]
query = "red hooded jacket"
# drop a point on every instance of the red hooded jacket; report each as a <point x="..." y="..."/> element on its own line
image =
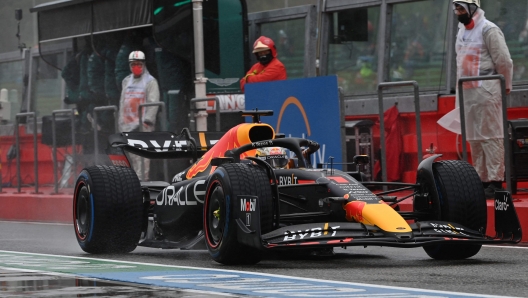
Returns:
<point x="272" y="71"/>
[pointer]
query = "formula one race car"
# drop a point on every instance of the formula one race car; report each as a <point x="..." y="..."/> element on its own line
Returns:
<point x="243" y="203"/>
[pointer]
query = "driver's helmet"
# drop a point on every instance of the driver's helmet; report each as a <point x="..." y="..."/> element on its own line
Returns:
<point x="275" y="156"/>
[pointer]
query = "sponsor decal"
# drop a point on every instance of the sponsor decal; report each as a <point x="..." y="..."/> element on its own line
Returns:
<point x="181" y="197"/>
<point x="281" y="156"/>
<point x="168" y="196"/>
<point x="311" y="233"/>
<point x="172" y="145"/>
<point x="357" y="191"/>
<point x="447" y="229"/>
<point x="287" y="180"/>
<point x="178" y="177"/>
<point x="502" y="204"/>
<point x="119" y="160"/>
<point x="262" y="144"/>
<point x="248" y="219"/>
<point x="223" y="82"/>
<point x="338" y="179"/>
<point x="248" y="205"/>
<point x="228" y="103"/>
<point x="199" y="195"/>
<point x="294" y="101"/>
<point x="137" y="143"/>
<point x="354" y="211"/>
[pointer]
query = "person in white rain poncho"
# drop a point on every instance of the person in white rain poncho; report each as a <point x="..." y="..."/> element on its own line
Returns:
<point x="481" y="50"/>
<point x="138" y="88"/>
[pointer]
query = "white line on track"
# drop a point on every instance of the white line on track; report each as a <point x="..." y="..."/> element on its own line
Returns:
<point x="36" y="223"/>
<point x="509" y="246"/>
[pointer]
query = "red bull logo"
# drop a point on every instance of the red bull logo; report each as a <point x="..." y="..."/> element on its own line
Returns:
<point x="275" y="151"/>
<point x="354" y="211"/>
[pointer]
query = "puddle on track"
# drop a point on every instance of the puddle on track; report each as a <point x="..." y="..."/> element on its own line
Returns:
<point x="34" y="284"/>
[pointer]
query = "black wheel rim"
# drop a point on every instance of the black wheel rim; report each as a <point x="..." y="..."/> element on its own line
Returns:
<point x="216" y="216"/>
<point x="82" y="216"/>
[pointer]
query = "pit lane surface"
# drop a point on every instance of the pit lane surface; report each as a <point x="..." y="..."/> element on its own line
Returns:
<point x="499" y="271"/>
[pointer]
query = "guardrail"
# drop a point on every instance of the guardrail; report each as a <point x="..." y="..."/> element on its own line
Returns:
<point x="35" y="147"/>
<point x="192" y="118"/>
<point x="507" y="161"/>
<point x="96" y="111"/>
<point x="71" y="112"/>
<point x="382" y="86"/>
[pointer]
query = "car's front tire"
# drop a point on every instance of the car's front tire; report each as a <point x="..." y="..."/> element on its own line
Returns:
<point x="225" y="184"/>
<point x="107" y="209"/>
<point x="461" y="200"/>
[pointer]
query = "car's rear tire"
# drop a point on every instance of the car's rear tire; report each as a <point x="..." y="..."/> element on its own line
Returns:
<point x="225" y="184"/>
<point x="461" y="200"/>
<point x="107" y="209"/>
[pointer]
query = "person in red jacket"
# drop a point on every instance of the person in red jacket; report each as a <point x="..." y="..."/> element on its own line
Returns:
<point x="269" y="67"/>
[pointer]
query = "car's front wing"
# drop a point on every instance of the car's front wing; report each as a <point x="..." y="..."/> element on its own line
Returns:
<point x="507" y="227"/>
<point x="356" y="234"/>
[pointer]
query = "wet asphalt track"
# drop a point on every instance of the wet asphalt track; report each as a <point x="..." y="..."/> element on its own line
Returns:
<point x="499" y="271"/>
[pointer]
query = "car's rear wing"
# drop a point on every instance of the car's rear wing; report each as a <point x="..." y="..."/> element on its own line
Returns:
<point x="165" y="144"/>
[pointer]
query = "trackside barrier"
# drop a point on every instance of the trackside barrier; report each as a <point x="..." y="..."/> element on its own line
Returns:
<point x="507" y="161"/>
<point x="381" y="86"/>
<point x="35" y="147"/>
<point x="96" y="111"/>
<point x="163" y="122"/>
<point x="71" y="112"/>
<point x="217" y="112"/>
<point x="1" y="182"/>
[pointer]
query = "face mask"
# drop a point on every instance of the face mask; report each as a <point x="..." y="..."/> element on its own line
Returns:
<point x="137" y="70"/>
<point x="265" y="59"/>
<point x="464" y="19"/>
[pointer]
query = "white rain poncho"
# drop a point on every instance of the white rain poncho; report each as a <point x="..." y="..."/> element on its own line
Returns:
<point x="137" y="91"/>
<point x="481" y="51"/>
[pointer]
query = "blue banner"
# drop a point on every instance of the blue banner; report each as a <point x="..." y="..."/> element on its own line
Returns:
<point x="307" y="108"/>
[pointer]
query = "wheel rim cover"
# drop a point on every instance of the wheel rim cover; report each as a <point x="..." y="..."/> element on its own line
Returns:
<point x="215" y="214"/>
<point x="81" y="212"/>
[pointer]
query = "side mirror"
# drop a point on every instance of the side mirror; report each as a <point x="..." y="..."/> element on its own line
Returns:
<point x="361" y="159"/>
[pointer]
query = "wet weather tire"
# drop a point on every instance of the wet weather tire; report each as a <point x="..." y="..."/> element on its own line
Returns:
<point x="461" y="200"/>
<point x="225" y="184"/>
<point x="107" y="209"/>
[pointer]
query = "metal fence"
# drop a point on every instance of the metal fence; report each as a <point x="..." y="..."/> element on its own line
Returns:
<point x="71" y="161"/>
